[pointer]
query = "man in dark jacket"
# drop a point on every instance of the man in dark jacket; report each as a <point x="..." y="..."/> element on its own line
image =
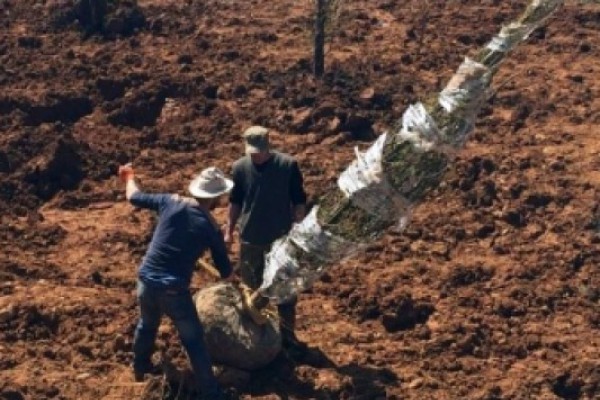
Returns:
<point x="184" y="231"/>
<point x="267" y="197"/>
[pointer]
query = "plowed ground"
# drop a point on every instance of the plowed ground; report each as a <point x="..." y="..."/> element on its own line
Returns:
<point x="493" y="292"/>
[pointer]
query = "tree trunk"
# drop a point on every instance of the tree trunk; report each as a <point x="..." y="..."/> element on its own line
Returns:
<point x="319" y="56"/>
<point x="383" y="184"/>
<point x="91" y="15"/>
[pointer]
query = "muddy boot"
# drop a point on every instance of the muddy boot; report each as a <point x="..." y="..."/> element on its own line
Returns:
<point x="287" y="324"/>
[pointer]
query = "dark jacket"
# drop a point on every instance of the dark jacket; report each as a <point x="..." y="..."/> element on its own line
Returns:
<point x="183" y="233"/>
<point x="266" y="194"/>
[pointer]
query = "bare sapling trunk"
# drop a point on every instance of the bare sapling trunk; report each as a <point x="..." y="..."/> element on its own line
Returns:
<point x="319" y="48"/>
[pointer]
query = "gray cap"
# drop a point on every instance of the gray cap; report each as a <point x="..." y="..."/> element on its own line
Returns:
<point x="257" y="139"/>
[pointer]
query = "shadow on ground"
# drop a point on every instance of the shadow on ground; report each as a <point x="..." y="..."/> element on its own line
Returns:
<point x="313" y="375"/>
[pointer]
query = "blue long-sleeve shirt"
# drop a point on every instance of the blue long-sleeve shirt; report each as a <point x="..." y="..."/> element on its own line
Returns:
<point x="183" y="233"/>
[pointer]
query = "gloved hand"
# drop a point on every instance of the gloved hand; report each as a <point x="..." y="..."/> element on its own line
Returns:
<point x="126" y="172"/>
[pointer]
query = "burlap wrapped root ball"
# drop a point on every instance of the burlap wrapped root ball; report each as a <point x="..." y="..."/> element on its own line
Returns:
<point x="232" y="337"/>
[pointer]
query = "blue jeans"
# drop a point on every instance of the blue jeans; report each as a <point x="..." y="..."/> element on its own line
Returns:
<point x="179" y="307"/>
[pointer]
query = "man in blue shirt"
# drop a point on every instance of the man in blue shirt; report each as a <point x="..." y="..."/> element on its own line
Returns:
<point x="184" y="231"/>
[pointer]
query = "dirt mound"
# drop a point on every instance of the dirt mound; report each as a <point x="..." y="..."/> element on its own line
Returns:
<point x="54" y="107"/>
<point x="50" y="163"/>
<point x="61" y="171"/>
<point x="110" y="18"/>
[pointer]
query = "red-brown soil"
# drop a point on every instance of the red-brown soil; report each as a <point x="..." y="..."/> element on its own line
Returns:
<point x="493" y="292"/>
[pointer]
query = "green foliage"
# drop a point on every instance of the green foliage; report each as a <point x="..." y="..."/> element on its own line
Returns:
<point x="338" y="215"/>
<point x="411" y="171"/>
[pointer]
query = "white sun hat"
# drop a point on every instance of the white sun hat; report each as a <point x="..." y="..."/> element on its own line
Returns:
<point x="210" y="183"/>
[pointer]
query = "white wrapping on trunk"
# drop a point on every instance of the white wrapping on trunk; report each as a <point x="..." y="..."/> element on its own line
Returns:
<point x="365" y="184"/>
<point x="464" y="95"/>
<point x="516" y="32"/>
<point x="288" y="271"/>
<point x="466" y="86"/>
<point x="298" y="259"/>
<point x="510" y="36"/>
<point x="419" y="127"/>
<point x="365" y="170"/>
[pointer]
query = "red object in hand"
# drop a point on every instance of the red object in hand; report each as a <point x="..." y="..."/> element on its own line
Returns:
<point x="126" y="172"/>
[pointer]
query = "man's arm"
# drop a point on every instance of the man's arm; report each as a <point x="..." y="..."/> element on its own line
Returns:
<point x="218" y="252"/>
<point x="136" y="196"/>
<point x="235" y="210"/>
<point x="127" y="175"/>
<point x="236" y="200"/>
<point x="297" y="194"/>
<point x="131" y="189"/>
